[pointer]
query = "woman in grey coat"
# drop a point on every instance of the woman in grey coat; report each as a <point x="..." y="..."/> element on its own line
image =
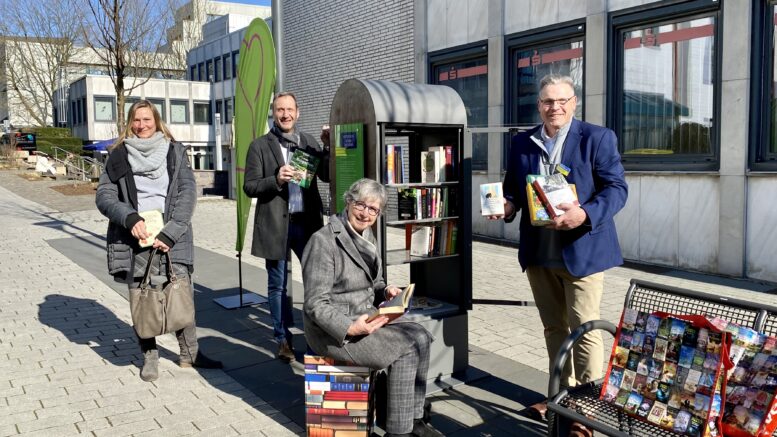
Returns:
<point x="147" y="170"/>
<point x="343" y="276"/>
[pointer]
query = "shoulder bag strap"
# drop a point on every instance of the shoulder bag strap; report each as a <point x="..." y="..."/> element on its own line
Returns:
<point x="147" y="275"/>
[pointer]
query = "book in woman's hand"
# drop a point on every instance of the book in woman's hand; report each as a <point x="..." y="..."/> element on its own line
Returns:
<point x="396" y="307"/>
<point x="154" y="225"/>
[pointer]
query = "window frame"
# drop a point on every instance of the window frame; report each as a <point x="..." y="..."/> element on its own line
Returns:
<point x="218" y="69"/>
<point x="227" y="63"/>
<point x="185" y="104"/>
<point x="763" y="33"/>
<point x="468" y="52"/>
<point x="207" y="113"/>
<point x="541" y="37"/>
<point x="111" y="100"/>
<point x="640" y="17"/>
<point x="163" y="110"/>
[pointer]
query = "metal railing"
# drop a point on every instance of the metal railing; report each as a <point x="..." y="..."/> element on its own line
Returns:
<point x="80" y="167"/>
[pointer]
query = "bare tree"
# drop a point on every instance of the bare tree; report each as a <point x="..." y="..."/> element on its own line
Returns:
<point x="126" y="35"/>
<point x="38" y="39"/>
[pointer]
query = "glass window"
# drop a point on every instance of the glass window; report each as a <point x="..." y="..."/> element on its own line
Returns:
<point x="104" y="109"/>
<point x="665" y="102"/>
<point x="209" y="69"/>
<point x="219" y="109"/>
<point x="160" y="106"/>
<point x="193" y="73"/>
<point x="235" y="62"/>
<point x="179" y="111"/>
<point x="73" y="113"/>
<point x="202" y="112"/>
<point x="128" y="102"/>
<point x="530" y="63"/>
<point x="228" y="110"/>
<point x="217" y="70"/>
<point x="763" y="100"/>
<point x="227" y="67"/>
<point x="466" y="71"/>
<point x="201" y="68"/>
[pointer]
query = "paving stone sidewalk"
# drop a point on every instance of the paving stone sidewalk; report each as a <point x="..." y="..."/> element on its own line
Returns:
<point x="68" y="357"/>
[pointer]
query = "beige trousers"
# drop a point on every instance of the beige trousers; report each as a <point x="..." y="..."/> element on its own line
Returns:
<point x="566" y="302"/>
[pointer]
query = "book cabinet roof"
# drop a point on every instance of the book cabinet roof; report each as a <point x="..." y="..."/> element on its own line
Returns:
<point x="382" y="101"/>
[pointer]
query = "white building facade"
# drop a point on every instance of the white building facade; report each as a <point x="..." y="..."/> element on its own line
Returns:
<point x="183" y="105"/>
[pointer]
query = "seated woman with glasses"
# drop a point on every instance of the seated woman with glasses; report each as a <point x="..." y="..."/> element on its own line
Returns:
<point x="343" y="276"/>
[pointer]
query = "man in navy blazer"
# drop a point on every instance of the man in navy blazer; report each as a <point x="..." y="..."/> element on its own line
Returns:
<point x="565" y="261"/>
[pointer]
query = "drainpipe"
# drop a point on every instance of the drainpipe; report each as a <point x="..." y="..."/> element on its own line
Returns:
<point x="277" y="36"/>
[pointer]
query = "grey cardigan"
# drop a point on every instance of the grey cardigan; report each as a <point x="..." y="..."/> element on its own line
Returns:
<point x="338" y="289"/>
<point x="116" y="199"/>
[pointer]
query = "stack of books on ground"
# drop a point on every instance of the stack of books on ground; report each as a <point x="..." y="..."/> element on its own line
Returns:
<point x="336" y="398"/>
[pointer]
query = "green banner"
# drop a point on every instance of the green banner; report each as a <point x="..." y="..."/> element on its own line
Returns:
<point x="349" y="159"/>
<point x="253" y="93"/>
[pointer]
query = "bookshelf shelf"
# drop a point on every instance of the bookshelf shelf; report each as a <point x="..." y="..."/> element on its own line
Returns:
<point x="424" y="185"/>
<point x="401" y="256"/>
<point x="414" y="133"/>
<point x="420" y="221"/>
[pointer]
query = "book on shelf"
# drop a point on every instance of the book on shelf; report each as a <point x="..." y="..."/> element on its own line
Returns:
<point x="390" y="165"/>
<point x="304" y="165"/>
<point x="553" y="190"/>
<point x="406" y="204"/>
<point x="154" y="224"/>
<point x="431" y="240"/>
<point x="420" y="236"/>
<point x="492" y="199"/>
<point x="394" y="308"/>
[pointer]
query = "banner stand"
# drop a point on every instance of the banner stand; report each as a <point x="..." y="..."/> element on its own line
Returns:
<point x="241" y="300"/>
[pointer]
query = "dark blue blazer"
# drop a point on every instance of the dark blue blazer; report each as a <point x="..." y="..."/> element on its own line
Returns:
<point x="591" y="152"/>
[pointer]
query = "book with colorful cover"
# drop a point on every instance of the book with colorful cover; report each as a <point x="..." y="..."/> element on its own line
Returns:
<point x="492" y="201"/>
<point x="305" y="166"/>
<point x="553" y="190"/>
<point x="538" y="215"/>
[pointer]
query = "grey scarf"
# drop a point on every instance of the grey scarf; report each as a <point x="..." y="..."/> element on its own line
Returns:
<point x="148" y="156"/>
<point x="290" y="140"/>
<point x="364" y="243"/>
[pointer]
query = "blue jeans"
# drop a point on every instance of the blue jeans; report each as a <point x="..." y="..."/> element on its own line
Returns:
<point x="277" y="296"/>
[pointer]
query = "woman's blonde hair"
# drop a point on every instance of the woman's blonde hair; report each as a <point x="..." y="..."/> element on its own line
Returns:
<point x="160" y="125"/>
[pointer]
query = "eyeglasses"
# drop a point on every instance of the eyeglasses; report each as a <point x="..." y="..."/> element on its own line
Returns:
<point x="361" y="206"/>
<point x="549" y="103"/>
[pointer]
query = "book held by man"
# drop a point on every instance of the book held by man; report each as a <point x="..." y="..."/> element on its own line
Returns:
<point x="154" y="224"/>
<point x="396" y="307"/>
<point x="492" y="200"/>
<point x="304" y="165"/>
<point x="552" y="191"/>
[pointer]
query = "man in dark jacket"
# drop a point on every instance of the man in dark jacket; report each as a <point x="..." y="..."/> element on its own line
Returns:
<point x="286" y="214"/>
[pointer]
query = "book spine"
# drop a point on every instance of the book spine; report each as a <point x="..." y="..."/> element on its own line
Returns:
<point x="327" y="411"/>
<point x="315" y="377"/>
<point x="390" y="164"/>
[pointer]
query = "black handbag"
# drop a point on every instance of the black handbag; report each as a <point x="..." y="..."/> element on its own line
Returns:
<point x="160" y="309"/>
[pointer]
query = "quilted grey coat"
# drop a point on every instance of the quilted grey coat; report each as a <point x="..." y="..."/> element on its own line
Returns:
<point x="117" y="200"/>
<point x="338" y="289"/>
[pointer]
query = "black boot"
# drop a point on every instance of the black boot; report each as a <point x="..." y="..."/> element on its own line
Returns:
<point x="423" y="429"/>
<point x="202" y="362"/>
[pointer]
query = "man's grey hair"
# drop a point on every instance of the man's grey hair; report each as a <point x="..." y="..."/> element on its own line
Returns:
<point x="366" y="189"/>
<point x="556" y="79"/>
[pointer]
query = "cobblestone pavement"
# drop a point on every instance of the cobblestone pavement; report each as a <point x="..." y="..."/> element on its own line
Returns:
<point x="68" y="357"/>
